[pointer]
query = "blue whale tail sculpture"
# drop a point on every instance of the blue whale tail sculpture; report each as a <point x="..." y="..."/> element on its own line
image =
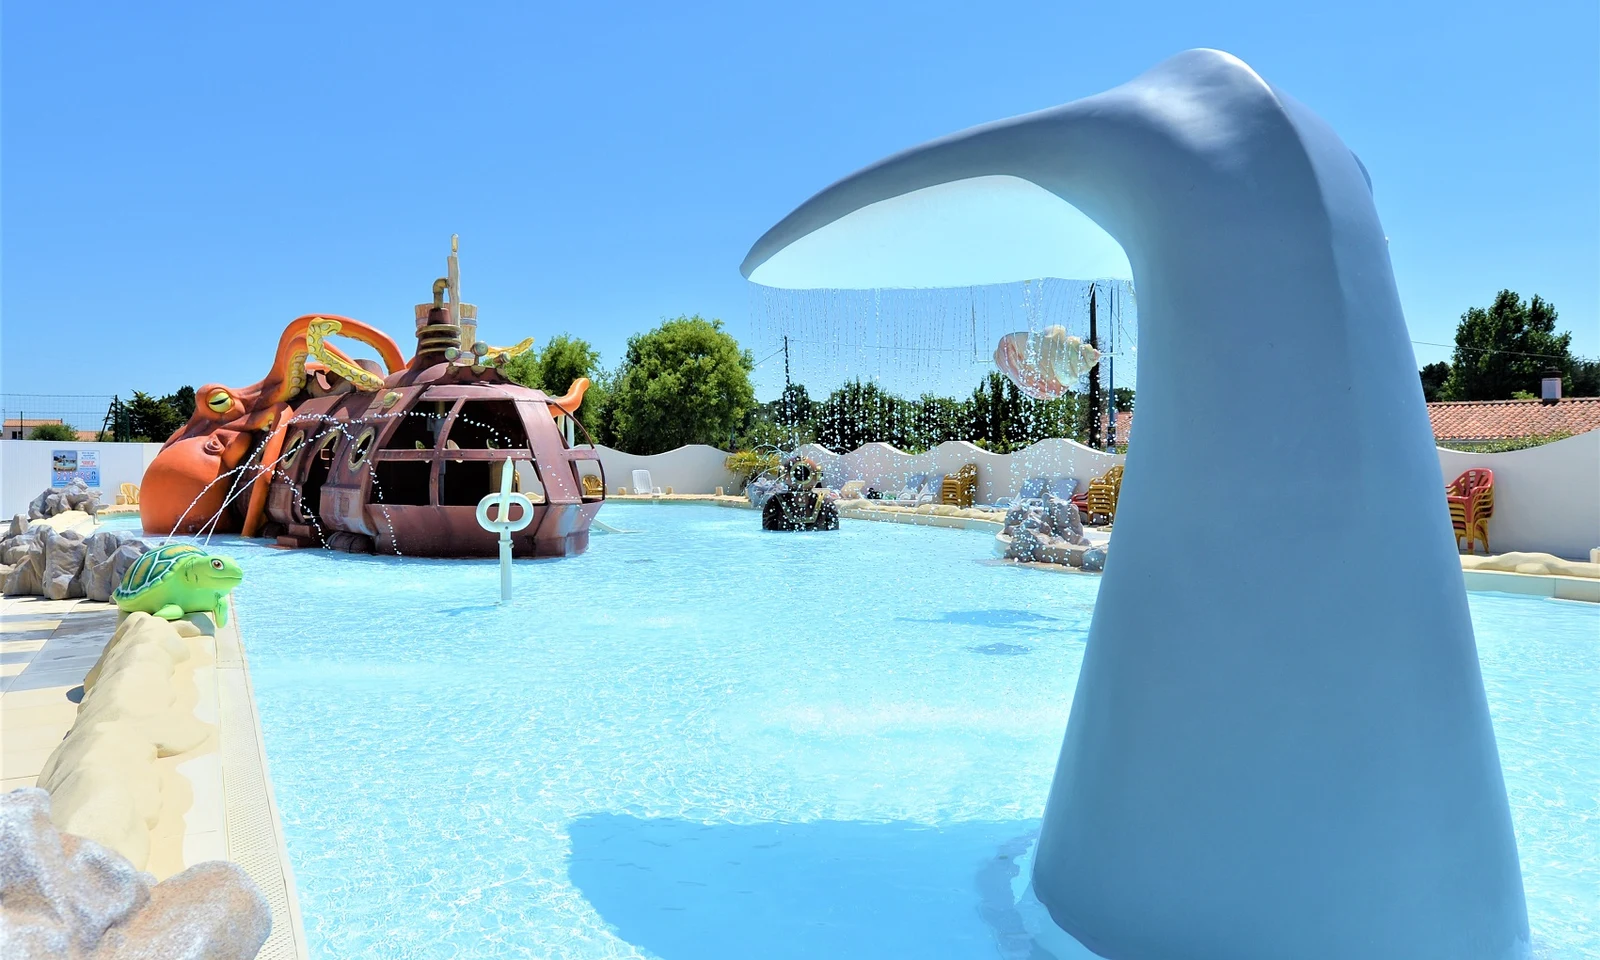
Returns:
<point x="1279" y="745"/>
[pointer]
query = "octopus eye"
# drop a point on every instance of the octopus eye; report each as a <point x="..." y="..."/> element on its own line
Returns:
<point x="220" y="401"/>
<point x="216" y="564"/>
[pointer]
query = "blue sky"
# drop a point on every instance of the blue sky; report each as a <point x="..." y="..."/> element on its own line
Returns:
<point x="180" y="180"/>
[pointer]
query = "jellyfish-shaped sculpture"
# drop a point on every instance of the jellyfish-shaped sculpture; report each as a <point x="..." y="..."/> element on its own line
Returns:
<point x="1043" y="365"/>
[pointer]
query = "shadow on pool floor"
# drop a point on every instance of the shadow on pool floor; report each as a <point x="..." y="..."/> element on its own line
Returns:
<point x="828" y="888"/>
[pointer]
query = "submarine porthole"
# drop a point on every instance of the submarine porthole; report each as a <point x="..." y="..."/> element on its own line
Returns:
<point x="291" y="451"/>
<point x="359" y="449"/>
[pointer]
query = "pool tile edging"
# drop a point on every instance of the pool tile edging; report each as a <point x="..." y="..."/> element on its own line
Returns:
<point x="254" y="831"/>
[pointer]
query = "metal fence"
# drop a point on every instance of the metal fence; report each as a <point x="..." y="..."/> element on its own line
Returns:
<point x="25" y="412"/>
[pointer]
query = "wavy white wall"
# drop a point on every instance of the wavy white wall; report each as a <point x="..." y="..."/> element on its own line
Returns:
<point x="692" y="469"/>
<point x="1546" y="498"/>
<point x="999" y="474"/>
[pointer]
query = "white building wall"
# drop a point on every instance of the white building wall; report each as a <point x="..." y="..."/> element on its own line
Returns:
<point x="25" y="468"/>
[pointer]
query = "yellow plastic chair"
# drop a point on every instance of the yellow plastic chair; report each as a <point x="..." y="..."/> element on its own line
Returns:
<point x="960" y="488"/>
<point x="1103" y="493"/>
<point x="128" y="493"/>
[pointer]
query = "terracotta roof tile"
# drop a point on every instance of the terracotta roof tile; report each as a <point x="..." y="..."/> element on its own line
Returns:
<point x="1505" y="419"/>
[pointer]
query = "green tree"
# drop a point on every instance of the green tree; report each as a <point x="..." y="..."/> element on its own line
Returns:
<point x="1505" y="348"/>
<point x="554" y="369"/>
<point x="794" y="412"/>
<point x="182" y="402"/>
<point x="1124" y="398"/>
<point x="862" y="412"/>
<point x="937" y="420"/>
<point x="53" y="431"/>
<point x="686" y="381"/>
<point x="1434" y="377"/>
<point x="153" y="418"/>
<point x="1584" y="379"/>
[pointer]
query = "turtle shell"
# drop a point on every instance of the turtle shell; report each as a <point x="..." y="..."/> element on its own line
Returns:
<point x="151" y="567"/>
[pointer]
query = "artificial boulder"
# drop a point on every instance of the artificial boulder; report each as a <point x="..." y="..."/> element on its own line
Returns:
<point x="76" y="495"/>
<point x="107" y="557"/>
<point x="62" y="895"/>
<point x="761" y="489"/>
<point x="41" y="561"/>
<point x="1047" y="531"/>
<point x="63" y="561"/>
<point x="25" y="555"/>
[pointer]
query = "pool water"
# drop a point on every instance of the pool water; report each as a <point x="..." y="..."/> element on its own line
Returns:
<point x="702" y="741"/>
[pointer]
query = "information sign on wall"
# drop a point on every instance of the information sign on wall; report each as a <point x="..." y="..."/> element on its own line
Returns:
<point x="67" y="464"/>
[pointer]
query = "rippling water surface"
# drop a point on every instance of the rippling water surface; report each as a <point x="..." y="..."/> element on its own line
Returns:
<point x="703" y="741"/>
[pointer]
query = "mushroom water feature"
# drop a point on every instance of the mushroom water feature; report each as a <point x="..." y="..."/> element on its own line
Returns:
<point x="1288" y="754"/>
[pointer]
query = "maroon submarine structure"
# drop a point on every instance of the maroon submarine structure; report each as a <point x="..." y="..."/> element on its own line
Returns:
<point x="400" y="466"/>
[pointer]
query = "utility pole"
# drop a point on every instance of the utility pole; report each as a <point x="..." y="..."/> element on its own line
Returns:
<point x="788" y="399"/>
<point x="1094" y="376"/>
<point x="1111" y="375"/>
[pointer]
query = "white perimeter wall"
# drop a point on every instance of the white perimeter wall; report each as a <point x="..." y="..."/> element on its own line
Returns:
<point x="1546" y="498"/>
<point x="999" y="475"/>
<point x="25" y="469"/>
<point x="692" y="469"/>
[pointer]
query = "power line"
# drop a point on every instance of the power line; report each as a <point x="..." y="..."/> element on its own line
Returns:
<point x="1515" y="353"/>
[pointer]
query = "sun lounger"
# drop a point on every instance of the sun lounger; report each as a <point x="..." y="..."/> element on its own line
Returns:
<point x="642" y="486"/>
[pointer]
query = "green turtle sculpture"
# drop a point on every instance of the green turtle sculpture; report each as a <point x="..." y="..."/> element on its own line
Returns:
<point x="178" y="579"/>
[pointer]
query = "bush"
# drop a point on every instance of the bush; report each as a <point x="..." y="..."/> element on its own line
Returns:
<point x="53" y="431"/>
<point x="1504" y="446"/>
<point x="749" y="464"/>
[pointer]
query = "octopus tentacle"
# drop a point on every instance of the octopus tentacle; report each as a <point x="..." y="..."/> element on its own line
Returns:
<point x="569" y="403"/>
<point x="255" y="514"/>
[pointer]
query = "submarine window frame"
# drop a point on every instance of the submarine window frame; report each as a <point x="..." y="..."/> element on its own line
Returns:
<point x="296" y="445"/>
<point x="322" y="448"/>
<point x="526" y="466"/>
<point x="361" y="447"/>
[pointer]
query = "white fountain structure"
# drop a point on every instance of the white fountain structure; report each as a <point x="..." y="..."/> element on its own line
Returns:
<point x="1280" y="744"/>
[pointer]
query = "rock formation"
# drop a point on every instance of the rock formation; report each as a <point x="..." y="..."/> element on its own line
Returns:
<point x="76" y="495"/>
<point x="62" y="895"/>
<point x="37" y="560"/>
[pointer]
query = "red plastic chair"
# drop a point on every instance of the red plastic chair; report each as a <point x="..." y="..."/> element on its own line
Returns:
<point x="1471" y="500"/>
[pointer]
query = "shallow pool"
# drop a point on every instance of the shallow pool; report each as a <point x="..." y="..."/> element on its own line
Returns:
<point x="702" y="741"/>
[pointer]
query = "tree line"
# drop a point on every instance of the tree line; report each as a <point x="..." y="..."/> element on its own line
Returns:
<point x="688" y="381"/>
<point x="1505" y="351"/>
<point x="144" y="418"/>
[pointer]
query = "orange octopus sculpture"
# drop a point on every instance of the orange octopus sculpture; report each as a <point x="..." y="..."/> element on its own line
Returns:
<point x="226" y="452"/>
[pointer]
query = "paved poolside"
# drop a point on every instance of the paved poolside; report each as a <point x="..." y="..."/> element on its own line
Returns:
<point x="46" y="648"/>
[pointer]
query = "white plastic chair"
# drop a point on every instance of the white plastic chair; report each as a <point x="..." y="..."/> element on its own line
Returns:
<point x="642" y="484"/>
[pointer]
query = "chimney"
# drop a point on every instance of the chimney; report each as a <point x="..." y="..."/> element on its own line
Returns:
<point x="1550" y="386"/>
